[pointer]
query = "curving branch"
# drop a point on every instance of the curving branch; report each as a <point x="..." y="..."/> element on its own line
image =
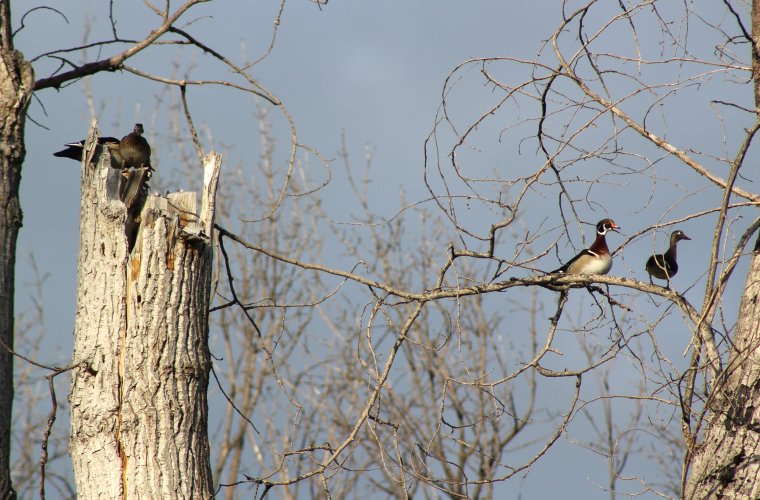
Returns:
<point x="115" y="62"/>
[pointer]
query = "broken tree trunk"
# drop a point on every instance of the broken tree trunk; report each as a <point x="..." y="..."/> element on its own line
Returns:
<point x="138" y="398"/>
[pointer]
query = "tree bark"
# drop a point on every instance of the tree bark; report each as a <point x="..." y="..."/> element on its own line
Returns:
<point x="727" y="462"/>
<point x="138" y="398"/>
<point x="16" y="85"/>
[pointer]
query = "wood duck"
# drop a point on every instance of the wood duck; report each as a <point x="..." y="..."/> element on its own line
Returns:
<point x="74" y="150"/>
<point x="664" y="266"/>
<point x="596" y="259"/>
<point x="134" y="150"/>
<point x="131" y="151"/>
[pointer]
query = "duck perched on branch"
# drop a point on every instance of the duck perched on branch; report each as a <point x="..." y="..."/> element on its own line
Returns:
<point x="595" y="259"/>
<point x="664" y="266"/>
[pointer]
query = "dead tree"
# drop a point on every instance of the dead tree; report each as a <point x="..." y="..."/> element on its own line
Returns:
<point x="138" y="398"/>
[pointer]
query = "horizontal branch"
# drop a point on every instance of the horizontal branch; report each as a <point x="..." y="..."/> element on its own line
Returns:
<point x="113" y="63"/>
<point x="556" y="282"/>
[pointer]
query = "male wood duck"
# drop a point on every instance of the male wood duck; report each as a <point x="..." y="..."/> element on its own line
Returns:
<point x="134" y="149"/>
<point x="596" y="259"/>
<point x="74" y="150"/>
<point x="664" y="266"/>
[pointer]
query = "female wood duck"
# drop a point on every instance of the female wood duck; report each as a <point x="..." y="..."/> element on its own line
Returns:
<point x="134" y="149"/>
<point x="664" y="266"/>
<point x="131" y="151"/>
<point x="596" y="259"/>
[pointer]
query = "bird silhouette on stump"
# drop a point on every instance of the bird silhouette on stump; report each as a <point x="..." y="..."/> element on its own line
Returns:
<point x="74" y="150"/>
<point x="131" y="154"/>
